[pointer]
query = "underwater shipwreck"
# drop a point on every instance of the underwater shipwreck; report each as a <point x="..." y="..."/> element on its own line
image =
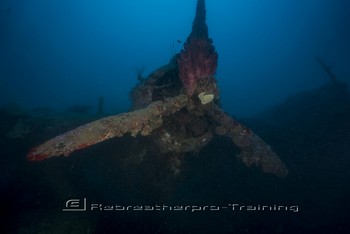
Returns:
<point x="178" y="108"/>
<point x="177" y="146"/>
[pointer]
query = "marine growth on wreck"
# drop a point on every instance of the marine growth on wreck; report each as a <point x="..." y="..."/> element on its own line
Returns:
<point x="178" y="107"/>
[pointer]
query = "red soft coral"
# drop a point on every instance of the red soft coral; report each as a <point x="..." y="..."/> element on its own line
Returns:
<point x="197" y="60"/>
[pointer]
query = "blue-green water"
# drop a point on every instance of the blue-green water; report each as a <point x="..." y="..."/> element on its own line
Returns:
<point x="55" y="55"/>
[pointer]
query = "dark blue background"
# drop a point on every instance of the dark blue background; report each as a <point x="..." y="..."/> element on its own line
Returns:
<point x="60" y="53"/>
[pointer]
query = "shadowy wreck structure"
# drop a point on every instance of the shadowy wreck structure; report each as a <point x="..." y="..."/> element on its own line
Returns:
<point x="177" y="108"/>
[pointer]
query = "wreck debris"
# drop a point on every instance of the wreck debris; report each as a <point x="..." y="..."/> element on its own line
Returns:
<point x="254" y="151"/>
<point x="328" y="70"/>
<point x="137" y="122"/>
<point x="177" y="106"/>
<point x="159" y="84"/>
<point x="199" y="59"/>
